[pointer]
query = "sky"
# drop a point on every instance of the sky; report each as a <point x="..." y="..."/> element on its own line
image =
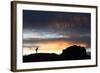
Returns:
<point x="54" y="31"/>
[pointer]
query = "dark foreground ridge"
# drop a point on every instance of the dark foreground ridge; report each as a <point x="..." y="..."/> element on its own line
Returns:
<point x="71" y="53"/>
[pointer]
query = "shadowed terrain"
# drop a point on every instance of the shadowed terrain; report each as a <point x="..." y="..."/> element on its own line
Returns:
<point x="71" y="53"/>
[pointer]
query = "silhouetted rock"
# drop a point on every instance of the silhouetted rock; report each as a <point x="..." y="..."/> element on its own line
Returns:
<point x="75" y="52"/>
<point x="70" y="53"/>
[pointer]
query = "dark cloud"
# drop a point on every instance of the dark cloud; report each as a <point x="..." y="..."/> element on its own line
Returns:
<point x="46" y="20"/>
<point x="75" y="25"/>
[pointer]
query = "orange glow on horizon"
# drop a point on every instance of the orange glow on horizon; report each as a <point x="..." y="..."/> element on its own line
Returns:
<point x="51" y="47"/>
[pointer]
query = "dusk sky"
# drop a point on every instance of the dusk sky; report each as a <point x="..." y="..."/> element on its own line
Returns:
<point x="55" y="31"/>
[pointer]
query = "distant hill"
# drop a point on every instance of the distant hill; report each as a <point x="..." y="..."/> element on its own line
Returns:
<point x="71" y="53"/>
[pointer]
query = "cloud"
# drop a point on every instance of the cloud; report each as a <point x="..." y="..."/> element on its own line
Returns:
<point x="47" y="26"/>
<point x="55" y="20"/>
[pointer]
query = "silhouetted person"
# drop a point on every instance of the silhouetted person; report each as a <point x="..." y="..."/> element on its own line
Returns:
<point x="36" y="49"/>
